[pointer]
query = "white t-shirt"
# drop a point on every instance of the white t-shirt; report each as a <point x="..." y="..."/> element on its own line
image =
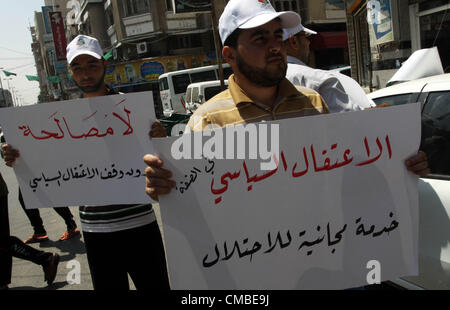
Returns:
<point x="340" y="92"/>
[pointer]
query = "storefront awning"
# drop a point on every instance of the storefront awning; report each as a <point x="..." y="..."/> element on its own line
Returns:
<point x="326" y="40"/>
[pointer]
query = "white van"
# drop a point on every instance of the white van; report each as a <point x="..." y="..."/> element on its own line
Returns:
<point x="172" y="86"/>
<point x="199" y="93"/>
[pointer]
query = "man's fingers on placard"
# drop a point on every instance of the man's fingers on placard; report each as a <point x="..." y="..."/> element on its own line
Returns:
<point x="154" y="192"/>
<point x="419" y="157"/>
<point x="154" y="172"/>
<point x="151" y="192"/>
<point x="9" y="163"/>
<point x="159" y="183"/>
<point x="423" y="173"/>
<point x="152" y="160"/>
<point x="418" y="166"/>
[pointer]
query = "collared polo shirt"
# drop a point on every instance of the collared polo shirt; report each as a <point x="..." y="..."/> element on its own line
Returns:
<point x="233" y="106"/>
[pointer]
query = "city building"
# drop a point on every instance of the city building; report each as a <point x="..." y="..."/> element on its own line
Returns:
<point x="383" y="34"/>
<point x="54" y="82"/>
<point x="39" y="62"/>
<point x="6" y="99"/>
<point x="145" y="39"/>
<point x="329" y="48"/>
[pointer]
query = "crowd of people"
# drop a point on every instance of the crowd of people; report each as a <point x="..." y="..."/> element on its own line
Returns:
<point x="268" y="52"/>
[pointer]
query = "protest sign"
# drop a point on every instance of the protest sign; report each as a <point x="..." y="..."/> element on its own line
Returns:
<point x="337" y="210"/>
<point x="81" y="152"/>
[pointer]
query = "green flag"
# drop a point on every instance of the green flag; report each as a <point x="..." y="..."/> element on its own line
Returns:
<point x="108" y="55"/>
<point x="7" y="73"/>
<point x="32" y="78"/>
<point x="54" y="79"/>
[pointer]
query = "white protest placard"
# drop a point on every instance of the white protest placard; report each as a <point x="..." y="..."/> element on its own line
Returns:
<point x="81" y="152"/>
<point x="339" y="209"/>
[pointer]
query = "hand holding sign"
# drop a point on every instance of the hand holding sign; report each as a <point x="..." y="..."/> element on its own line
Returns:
<point x="158" y="180"/>
<point x="338" y="197"/>
<point x="80" y="152"/>
<point x="9" y="154"/>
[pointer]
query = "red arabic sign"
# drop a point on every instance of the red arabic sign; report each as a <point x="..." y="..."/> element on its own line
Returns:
<point x="59" y="37"/>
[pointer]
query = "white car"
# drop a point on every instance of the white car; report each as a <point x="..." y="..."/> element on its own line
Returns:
<point x="346" y="70"/>
<point x="434" y="190"/>
<point x="200" y="92"/>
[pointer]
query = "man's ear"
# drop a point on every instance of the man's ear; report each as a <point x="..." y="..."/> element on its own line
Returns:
<point x="293" y="43"/>
<point x="228" y="54"/>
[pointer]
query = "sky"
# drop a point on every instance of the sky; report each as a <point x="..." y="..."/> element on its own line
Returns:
<point x="15" y="47"/>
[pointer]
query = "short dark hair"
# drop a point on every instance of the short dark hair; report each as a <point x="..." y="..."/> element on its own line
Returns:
<point x="232" y="39"/>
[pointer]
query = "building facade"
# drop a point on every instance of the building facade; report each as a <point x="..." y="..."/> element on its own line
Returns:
<point x="146" y="38"/>
<point x="6" y="99"/>
<point x="54" y="82"/>
<point x="383" y="34"/>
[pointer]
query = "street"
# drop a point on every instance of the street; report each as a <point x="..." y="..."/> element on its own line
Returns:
<point x="29" y="276"/>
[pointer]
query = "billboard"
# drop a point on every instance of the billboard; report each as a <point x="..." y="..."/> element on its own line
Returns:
<point x="59" y="36"/>
<point x="149" y="69"/>
<point x="379" y="18"/>
<point x="45" y="15"/>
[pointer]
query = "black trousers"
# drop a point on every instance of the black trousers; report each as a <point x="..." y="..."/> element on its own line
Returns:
<point x="11" y="246"/>
<point x="138" y="252"/>
<point x="36" y="220"/>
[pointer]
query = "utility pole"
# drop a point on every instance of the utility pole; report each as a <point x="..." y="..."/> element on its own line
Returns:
<point x="9" y="89"/>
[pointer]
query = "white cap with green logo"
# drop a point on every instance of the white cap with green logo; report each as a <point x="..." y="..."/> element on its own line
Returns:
<point x="83" y="45"/>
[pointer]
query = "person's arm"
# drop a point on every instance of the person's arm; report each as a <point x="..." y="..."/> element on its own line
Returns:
<point x="417" y="164"/>
<point x="157" y="179"/>
<point x="335" y="96"/>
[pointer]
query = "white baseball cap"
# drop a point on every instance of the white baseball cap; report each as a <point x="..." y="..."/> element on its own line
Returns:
<point x="245" y="14"/>
<point x="83" y="45"/>
<point x="287" y="32"/>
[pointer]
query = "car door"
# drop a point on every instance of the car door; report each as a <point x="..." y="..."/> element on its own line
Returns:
<point x="434" y="192"/>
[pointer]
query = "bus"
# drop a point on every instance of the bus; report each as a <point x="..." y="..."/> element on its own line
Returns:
<point x="173" y="85"/>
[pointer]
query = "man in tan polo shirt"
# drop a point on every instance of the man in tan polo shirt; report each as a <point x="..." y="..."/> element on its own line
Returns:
<point x="252" y="35"/>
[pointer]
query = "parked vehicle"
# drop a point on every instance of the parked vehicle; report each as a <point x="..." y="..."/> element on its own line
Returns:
<point x="199" y="93"/>
<point x="434" y="190"/>
<point x="173" y="85"/>
<point x="346" y="70"/>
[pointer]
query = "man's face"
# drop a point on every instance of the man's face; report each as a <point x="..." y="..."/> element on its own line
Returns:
<point x="261" y="55"/>
<point x="88" y="73"/>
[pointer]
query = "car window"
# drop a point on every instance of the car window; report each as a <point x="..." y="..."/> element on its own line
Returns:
<point x="211" y="92"/>
<point x="188" y="95"/>
<point x="227" y="72"/>
<point x="396" y="99"/>
<point x="195" y="94"/>
<point x="180" y="83"/>
<point x="163" y="84"/>
<point x="203" y="76"/>
<point x="347" y="72"/>
<point x="436" y="132"/>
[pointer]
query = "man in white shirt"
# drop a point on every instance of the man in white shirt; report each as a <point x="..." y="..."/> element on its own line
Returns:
<point x="340" y="92"/>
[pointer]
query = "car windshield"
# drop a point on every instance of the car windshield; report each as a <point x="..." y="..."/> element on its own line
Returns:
<point x="396" y="99"/>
